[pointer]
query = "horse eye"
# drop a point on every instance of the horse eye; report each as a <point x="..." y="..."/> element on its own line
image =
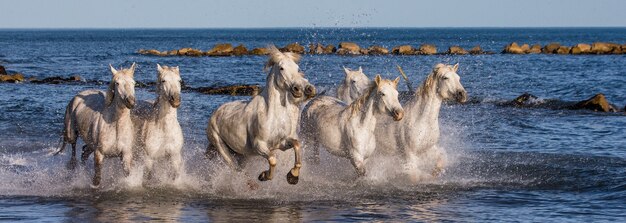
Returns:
<point x="282" y="68"/>
<point x="353" y="81"/>
<point x="445" y="78"/>
<point x="117" y="83"/>
<point x="163" y="81"/>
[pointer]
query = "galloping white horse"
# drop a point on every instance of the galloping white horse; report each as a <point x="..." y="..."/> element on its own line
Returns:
<point x="353" y="85"/>
<point x="103" y="121"/>
<point x="267" y="121"/>
<point x="416" y="136"/>
<point x="156" y="123"/>
<point x="348" y="131"/>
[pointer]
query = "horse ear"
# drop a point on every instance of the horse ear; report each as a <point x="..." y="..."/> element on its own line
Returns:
<point x="377" y="79"/>
<point x="456" y="67"/>
<point x="360" y="69"/>
<point x="347" y="71"/>
<point x="177" y="70"/>
<point x="396" y="81"/>
<point x="132" y="69"/>
<point x="159" y="68"/>
<point x="113" y="70"/>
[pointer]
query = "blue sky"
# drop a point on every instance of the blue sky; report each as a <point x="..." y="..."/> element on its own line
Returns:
<point x="320" y="13"/>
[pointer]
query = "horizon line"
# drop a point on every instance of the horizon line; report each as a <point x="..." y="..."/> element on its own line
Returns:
<point x="309" y="27"/>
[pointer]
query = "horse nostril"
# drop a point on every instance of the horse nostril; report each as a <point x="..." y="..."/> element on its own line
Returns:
<point x="295" y="89"/>
<point x="309" y="90"/>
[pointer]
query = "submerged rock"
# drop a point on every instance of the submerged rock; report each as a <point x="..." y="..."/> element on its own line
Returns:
<point x="348" y="48"/>
<point x="513" y="48"/>
<point x="223" y="49"/>
<point x="427" y="49"/>
<point x="230" y="90"/>
<point x="259" y="51"/>
<point x="524" y="99"/>
<point x="581" y="48"/>
<point x="476" y="50"/>
<point x="2" y="70"/>
<point x="240" y="50"/>
<point x="596" y="103"/>
<point x="317" y="48"/>
<point x="534" y="49"/>
<point x="378" y="50"/>
<point x="294" y="48"/>
<point x="551" y="48"/>
<point x="12" y="78"/>
<point x="457" y="50"/>
<point x="403" y="50"/>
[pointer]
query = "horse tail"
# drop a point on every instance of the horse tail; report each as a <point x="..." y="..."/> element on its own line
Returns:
<point x="69" y="127"/>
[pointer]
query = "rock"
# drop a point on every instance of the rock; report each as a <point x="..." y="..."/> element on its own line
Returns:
<point x="603" y="48"/>
<point x="535" y="49"/>
<point x="524" y="99"/>
<point x="183" y="51"/>
<point x="75" y="78"/>
<point x="142" y="51"/>
<point x="13" y="78"/>
<point x="240" y="50"/>
<point x="231" y="90"/>
<point x="457" y="50"/>
<point x="551" y="48"/>
<point x="172" y="52"/>
<point x="525" y="47"/>
<point x="513" y="48"/>
<point x="330" y="49"/>
<point x="294" y="48"/>
<point x="378" y="50"/>
<point x="316" y="48"/>
<point x="348" y="48"/>
<point x="427" y="49"/>
<point x="223" y="49"/>
<point x="476" y="50"/>
<point x="596" y="103"/>
<point x="563" y="50"/>
<point x="581" y="48"/>
<point x="259" y="51"/>
<point x="194" y="53"/>
<point x="153" y="52"/>
<point x="2" y="70"/>
<point x="404" y="50"/>
<point x="364" y="51"/>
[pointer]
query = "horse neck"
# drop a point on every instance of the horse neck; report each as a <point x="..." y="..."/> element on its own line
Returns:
<point x="275" y="99"/>
<point x="424" y="106"/>
<point x="365" y="107"/>
<point x="164" y="109"/>
<point x="117" y="111"/>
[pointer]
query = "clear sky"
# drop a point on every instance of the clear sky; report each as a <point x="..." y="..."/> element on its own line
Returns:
<point x="318" y="13"/>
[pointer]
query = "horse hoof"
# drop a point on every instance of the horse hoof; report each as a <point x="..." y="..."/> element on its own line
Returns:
<point x="264" y="176"/>
<point x="93" y="186"/>
<point x="71" y="165"/>
<point x="291" y="179"/>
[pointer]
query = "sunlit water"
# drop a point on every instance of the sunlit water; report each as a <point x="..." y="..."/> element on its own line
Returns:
<point x="506" y="163"/>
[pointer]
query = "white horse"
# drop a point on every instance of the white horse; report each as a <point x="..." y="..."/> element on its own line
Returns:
<point x="348" y="131"/>
<point x="416" y="136"/>
<point x="353" y="85"/>
<point x="103" y="121"/>
<point x="266" y="122"/>
<point x="158" y="132"/>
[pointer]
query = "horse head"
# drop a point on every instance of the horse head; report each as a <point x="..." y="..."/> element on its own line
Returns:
<point x="357" y="81"/>
<point x="169" y="84"/>
<point x="122" y="87"/>
<point x="287" y="74"/>
<point x="386" y="97"/>
<point x="448" y="83"/>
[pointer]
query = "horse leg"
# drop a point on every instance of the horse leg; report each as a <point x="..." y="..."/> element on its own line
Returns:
<point x="359" y="164"/>
<point x="215" y="142"/>
<point x="440" y="162"/>
<point x="177" y="165"/>
<point x="72" y="164"/>
<point x="98" y="159"/>
<point x="87" y="150"/>
<point x="271" y="159"/>
<point x="294" y="173"/>
<point x="127" y="160"/>
<point x="147" y="171"/>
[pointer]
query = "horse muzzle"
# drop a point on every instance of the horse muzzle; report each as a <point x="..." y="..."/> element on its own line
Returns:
<point x="397" y="114"/>
<point x="129" y="102"/>
<point x="461" y="96"/>
<point x="296" y="91"/>
<point x="174" y="101"/>
<point x="310" y="91"/>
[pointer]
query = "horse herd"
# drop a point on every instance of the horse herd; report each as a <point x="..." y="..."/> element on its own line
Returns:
<point x="367" y="116"/>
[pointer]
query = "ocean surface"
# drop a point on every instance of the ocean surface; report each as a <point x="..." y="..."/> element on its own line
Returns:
<point x="532" y="164"/>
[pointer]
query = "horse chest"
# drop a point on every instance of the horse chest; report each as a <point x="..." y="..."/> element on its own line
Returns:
<point x="115" y="138"/>
<point x="162" y="138"/>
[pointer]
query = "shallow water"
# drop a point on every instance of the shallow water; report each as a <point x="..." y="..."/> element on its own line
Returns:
<point x="506" y="163"/>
